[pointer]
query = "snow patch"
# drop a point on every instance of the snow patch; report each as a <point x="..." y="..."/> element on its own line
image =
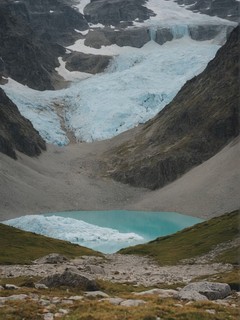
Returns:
<point x="81" y="5"/>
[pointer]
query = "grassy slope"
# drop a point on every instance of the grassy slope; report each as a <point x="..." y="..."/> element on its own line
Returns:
<point x="21" y="247"/>
<point x="190" y="242"/>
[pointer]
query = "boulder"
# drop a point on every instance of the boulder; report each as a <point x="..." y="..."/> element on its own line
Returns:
<point x="70" y="278"/>
<point x="90" y="63"/>
<point x="209" y="290"/>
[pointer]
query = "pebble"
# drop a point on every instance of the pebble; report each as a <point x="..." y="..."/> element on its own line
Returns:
<point x="48" y="316"/>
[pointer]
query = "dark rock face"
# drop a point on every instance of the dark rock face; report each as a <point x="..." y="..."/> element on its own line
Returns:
<point x="70" y="279"/>
<point x="31" y="34"/>
<point x="105" y="37"/>
<point x="16" y="132"/>
<point x="201" y="119"/>
<point x="113" y="12"/>
<point x="227" y="9"/>
<point x="89" y="63"/>
<point x="138" y="37"/>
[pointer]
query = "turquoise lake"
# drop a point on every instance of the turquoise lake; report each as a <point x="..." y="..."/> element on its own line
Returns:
<point x="147" y="225"/>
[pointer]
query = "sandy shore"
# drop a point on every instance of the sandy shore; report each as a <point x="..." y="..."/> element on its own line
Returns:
<point x="65" y="179"/>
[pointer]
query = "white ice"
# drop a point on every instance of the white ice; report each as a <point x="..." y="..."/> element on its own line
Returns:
<point x="136" y="86"/>
<point x="76" y="231"/>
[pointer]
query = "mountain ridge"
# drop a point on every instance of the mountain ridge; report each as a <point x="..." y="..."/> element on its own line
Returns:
<point x="201" y="119"/>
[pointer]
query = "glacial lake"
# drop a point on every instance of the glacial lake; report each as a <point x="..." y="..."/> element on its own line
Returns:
<point x="140" y="225"/>
<point x="105" y="231"/>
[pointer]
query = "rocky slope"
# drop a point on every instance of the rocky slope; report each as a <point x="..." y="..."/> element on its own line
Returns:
<point x="36" y="30"/>
<point x="116" y="12"/>
<point x="16" y="132"/>
<point x="200" y="120"/>
<point x="40" y="30"/>
<point x="227" y="9"/>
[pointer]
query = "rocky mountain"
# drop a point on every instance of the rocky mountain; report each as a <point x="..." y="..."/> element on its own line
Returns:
<point x="117" y="12"/>
<point x="40" y="30"/>
<point x="16" y="132"/>
<point x="200" y="120"/>
<point x="227" y="9"/>
<point x="36" y="31"/>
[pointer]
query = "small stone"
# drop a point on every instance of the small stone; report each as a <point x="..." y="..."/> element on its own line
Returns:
<point x="67" y="301"/>
<point x="14" y="297"/>
<point x="178" y="305"/>
<point x="1" y="288"/>
<point x="44" y="302"/>
<point x="11" y="287"/>
<point x="114" y="301"/>
<point x="48" y="316"/>
<point x="76" y="298"/>
<point x="40" y="286"/>
<point x="63" y="311"/>
<point x="211" y="311"/>
<point x="56" y="300"/>
<point x="96" y="294"/>
<point x="132" y="303"/>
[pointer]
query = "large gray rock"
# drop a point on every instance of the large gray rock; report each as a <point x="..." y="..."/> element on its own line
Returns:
<point x="89" y="63"/>
<point x="70" y="278"/>
<point x="209" y="290"/>
<point x="135" y="37"/>
<point x="113" y="12"/>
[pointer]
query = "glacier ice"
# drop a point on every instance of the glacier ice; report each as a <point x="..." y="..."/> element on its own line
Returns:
<point x="76" y="231"/>
<point x="134" y="88"/>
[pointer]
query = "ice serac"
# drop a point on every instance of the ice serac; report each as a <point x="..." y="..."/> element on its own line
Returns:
<point x="201" y="119"/>
<point x="16" y="132"/>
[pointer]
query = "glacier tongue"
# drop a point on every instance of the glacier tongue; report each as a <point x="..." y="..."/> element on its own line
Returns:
<point x="76" y="231"/>
<point x="135" y="87"/>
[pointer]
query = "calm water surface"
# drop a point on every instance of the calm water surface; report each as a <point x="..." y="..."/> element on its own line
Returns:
<point x="149" y="225"/>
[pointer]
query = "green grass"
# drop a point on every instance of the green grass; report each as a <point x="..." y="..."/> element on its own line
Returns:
<point x="191" y="242"/>
<point x="21" y="247"/>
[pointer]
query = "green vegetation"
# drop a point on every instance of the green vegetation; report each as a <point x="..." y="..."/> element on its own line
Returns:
<point x="93" y="309"/>
<point x="192" y="242"/>
<point x="21" y="247"/>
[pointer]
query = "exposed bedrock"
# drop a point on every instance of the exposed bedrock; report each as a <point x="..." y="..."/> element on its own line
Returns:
<point x="16" y="132"/>
<point x="90" y="63"/>
<point x="227" y="9"/>
<point x="201" y="119"/>
<point x="137" y="37"/>
<point x="114" y="12"/>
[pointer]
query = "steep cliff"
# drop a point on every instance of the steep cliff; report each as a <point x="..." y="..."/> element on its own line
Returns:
<point x="201" y="119"/>
<point x="31" y="37"/>
<point x="16" y="132"/>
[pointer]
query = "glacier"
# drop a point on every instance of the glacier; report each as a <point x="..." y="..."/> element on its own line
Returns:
<point x="138" y="83"/>
<point x="106" y="240"/>
<point x="134" y="88"/>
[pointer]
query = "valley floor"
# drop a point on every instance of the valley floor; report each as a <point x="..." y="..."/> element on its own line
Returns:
<point x="68" y="178"/>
